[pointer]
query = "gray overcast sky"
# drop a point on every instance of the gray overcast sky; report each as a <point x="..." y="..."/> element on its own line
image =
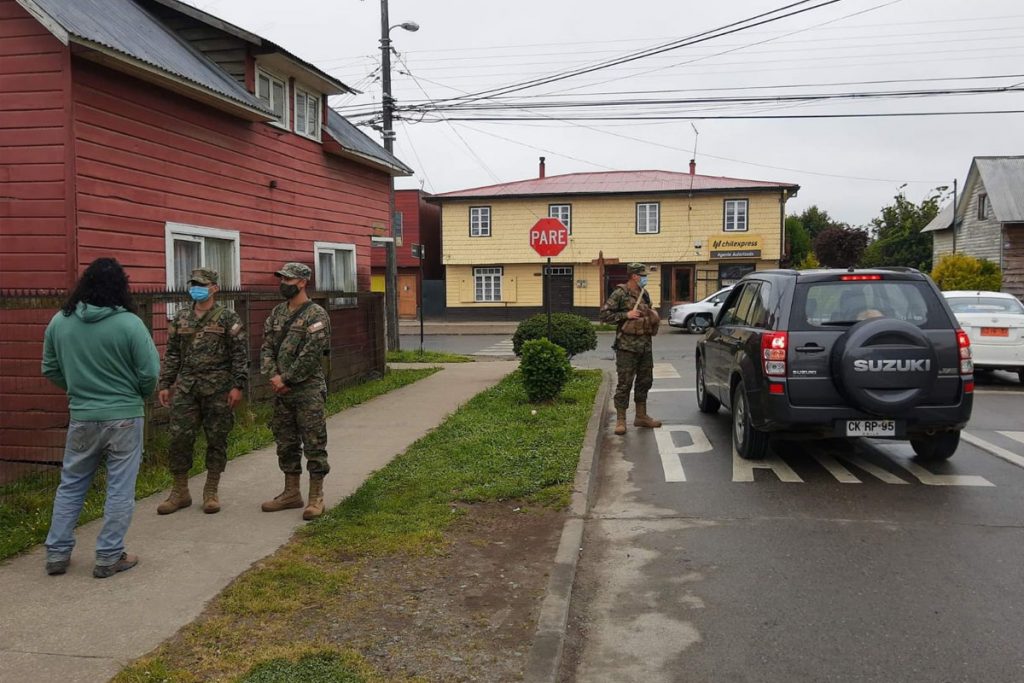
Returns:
<point x="470" y="45"/>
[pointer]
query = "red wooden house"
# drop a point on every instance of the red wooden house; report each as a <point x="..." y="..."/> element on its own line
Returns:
<point x="421" y="224"/>
<point x="157" y="133"/>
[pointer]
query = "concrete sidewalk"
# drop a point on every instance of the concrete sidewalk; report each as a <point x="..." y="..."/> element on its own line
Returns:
<point x="77" y="628"/>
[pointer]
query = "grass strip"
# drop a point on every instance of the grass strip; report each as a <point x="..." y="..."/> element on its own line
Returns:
<point x="493" y="448"/>
<point x="26" y="505"/>
<point x="425" y="356"/>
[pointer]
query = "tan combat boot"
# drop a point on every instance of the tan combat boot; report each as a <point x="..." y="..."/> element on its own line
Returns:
<point x="210" y="502"/>
<point x="179" y="497"/>
<point x="643" y="419"/>
<point x="288" y="499"/>
<point x="620" y="421"/>
<point x="315" y="507"/>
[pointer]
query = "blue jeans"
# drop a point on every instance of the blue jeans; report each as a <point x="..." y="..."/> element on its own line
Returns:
<point x="121" y="440"/>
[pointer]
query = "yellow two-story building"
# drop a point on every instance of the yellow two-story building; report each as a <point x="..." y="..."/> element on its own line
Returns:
<point x="697" y="233"/>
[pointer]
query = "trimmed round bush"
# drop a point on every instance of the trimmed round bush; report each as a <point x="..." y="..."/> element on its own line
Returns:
<point x="545" y="369"/>
<point x="572" y="332"/>
<point x="963" y="272"/>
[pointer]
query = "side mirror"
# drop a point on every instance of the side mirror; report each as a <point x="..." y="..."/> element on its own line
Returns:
<point x="717" y="302"/>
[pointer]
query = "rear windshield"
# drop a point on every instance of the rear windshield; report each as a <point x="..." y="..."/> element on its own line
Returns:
<point x="984" y="304"/>
<point x="841" y="304"/>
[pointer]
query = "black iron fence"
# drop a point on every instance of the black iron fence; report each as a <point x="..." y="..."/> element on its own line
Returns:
<point x="33" y="412"/>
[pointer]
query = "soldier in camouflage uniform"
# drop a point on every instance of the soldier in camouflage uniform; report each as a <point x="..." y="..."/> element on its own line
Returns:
<point x="296" y="336"/>
<point x="207" y="362"/>
<point x="629" y="308"/>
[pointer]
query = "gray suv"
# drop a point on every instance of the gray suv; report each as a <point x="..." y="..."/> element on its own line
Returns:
<point x="838" y="353"/>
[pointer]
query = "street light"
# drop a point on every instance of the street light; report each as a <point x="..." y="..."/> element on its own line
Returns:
<point x="388" y="133"/>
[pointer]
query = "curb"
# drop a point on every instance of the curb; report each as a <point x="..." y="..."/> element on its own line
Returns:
<point x="545" y="656"/>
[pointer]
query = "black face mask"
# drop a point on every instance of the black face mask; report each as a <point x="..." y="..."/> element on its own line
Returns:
<point x="287" y="290"/>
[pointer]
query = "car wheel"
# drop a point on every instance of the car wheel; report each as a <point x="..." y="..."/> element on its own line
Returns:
<point x="705" y="401"/>
<point x="936" y="447"/>
<point x="698" y="324"/>
<point x="748" y="442"/>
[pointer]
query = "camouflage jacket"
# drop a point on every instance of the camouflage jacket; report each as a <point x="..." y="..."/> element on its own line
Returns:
<point x="305" y="342"/>
<point x="614" y="312"/>
<point x="207" y="352"/>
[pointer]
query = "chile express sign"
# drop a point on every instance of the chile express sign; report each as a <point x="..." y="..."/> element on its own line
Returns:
<point x="549" y="237"/>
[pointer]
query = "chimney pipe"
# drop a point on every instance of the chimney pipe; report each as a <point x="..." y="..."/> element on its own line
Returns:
<point x="693" y="166"/>
<point x="542" y="168"/>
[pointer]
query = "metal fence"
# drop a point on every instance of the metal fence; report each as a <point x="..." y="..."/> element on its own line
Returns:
<point x="33" y="412"/>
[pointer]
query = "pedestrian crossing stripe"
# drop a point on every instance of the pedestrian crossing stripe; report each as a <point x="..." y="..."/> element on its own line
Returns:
<point x="665" y="371"/>
<point x="502" y="348"/>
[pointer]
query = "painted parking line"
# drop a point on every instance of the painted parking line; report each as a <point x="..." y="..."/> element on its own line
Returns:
<point x="665" y="371"/>
<point x="998" y="451"/>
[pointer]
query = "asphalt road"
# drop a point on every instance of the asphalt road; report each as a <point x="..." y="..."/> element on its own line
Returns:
<point x="831" y="561"/>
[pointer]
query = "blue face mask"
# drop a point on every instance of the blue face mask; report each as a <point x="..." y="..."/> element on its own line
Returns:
<point x="199" y="293"/>
<point x="643" y="280"/>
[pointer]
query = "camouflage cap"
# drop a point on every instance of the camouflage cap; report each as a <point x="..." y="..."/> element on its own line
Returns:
<point x="299" y="270"/>
<point x="203" y="276"/>
<point x="636" y="269"/>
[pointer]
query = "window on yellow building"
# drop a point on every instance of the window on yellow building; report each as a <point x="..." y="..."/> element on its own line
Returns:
<point x="735" y="215"/>
<point x="648" y="218"/>
<point x="487" y="283"/>
<point x="562" y="212"/>
<point x="479" y="221"/>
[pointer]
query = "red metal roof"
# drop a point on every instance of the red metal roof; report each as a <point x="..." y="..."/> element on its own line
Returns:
<point x="618" y="182"/>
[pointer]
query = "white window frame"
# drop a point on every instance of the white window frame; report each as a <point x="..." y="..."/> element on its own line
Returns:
<point x="488" y="272"/>
<point x="735" y="226"/>
<point x="196" y="233"/>
<point x="333" y="248"/>
<point x="284" y="122"/>
<point x="478" y="230"/>
<point x="309" y="95"/>
<point x="562" y="212"/>
<point x="647" y="218"/>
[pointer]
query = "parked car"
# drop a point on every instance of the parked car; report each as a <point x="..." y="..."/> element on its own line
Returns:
<point x="697" y="317"/>
<point x="995" y="323"/>
<point x="838" y="353"/>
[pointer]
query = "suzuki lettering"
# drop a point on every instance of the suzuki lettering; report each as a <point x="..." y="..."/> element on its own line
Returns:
<point x="892" y="365"/>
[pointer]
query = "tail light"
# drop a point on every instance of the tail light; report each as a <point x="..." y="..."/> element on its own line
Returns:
<point x="773" y="353"/>
<point x="966" y="364"/>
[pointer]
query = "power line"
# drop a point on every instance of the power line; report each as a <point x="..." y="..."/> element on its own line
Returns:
<point x="722" y="117"/>
<point x="734" y="27"/>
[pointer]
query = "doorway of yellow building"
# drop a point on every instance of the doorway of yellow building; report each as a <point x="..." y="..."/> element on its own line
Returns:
<point x="681" y="282"/>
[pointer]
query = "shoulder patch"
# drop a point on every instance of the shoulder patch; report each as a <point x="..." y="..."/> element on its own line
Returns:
<point x="316" y="327"/>
<point x="235" y="329"/>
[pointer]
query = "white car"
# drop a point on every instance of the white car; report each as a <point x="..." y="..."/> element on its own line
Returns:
<point x="994" y="321"/>
<point x="697" y="317"/>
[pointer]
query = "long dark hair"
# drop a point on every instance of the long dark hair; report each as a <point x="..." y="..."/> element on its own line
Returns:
<point x="104" y="283"/>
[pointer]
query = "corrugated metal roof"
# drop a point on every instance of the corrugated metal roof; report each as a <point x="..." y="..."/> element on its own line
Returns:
<point x="355" y="140"/>
<point x="943" y="220"/>
<point x="616" y="182"/>
<point x="1003" y="178"/>
<point x="123" y="26"/>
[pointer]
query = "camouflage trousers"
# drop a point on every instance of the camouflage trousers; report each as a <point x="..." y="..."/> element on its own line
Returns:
<point x="189" y="410"/>
<point x="633" y="366"/>
<point x="300" y="427"/>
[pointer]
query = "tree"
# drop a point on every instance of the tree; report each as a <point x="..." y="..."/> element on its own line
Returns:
<point x="799" y="240"/>
<point x="815" y="221"/>
<point x="840" y="247"/>
<point x="898" y="237"/>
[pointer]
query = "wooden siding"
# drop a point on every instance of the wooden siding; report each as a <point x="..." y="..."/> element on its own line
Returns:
<point x="606" y="224"/>
<point x="147" y="157"/>
<point x="1013" y="260"/>
<point x="33" y="149"/>
<point x="421" y="224"/>
<point x="979" y="238"/>
<point x="942" y="244"/>
<point x="227" y="51"/>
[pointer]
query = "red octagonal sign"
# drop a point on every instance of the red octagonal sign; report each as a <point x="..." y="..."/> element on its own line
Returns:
<point x="549" y="237"/>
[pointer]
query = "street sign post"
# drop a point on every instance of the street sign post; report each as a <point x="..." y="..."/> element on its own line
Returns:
<point x="417" y="253"/>
<point x="548" y="237"/>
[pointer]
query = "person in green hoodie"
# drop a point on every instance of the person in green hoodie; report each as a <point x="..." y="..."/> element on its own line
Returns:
<point x="99" y="351"/>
